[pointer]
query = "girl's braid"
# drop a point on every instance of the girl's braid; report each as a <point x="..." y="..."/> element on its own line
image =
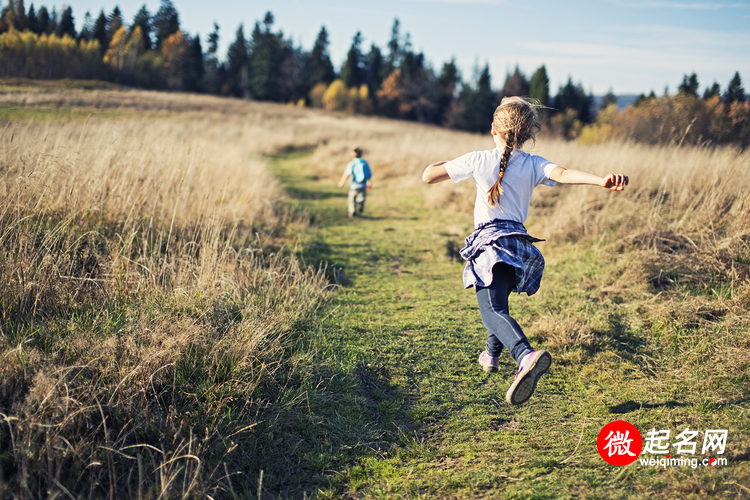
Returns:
<point x="515" y="122"/>
<point x="497" y="188"/>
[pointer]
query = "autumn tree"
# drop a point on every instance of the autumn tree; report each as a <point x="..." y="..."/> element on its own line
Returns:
<point x="166" y="22"/>
<point x="142" y="20"/>
<point x="114" y="23"/>
<point x="173" y="49"/>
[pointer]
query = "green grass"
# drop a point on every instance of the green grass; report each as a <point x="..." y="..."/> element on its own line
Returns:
<point x="47" y="112"/>
<point x="397" y="407"/>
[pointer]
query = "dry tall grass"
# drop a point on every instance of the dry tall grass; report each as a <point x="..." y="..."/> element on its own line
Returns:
<point x="141" y="315"/>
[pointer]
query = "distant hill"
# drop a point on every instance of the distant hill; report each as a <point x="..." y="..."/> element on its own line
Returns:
<point x="622" y="101"/>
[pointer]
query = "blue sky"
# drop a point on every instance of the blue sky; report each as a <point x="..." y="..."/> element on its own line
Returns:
<point x="630" y="46"/>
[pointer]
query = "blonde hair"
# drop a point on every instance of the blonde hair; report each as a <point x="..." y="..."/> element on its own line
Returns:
<point x="515" y="123"/>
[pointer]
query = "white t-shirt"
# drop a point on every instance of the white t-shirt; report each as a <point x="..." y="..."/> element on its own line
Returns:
<point x="523" y="174"/>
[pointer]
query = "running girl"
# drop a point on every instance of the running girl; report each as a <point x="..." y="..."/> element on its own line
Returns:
<point x="500" y="255"/>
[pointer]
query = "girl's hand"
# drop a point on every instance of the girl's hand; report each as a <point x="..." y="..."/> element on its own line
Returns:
<point x="615" y="182"/>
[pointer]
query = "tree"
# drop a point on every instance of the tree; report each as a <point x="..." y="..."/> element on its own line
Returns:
<point x="516" y="84"/>
<point x="320" y="67"/>
<point x="114" y="23"/>
<point x="448" y="84"/>
<point x="374" y="69"/>
<point x="352" y="72"/>
<point x="52" y="26"/>
<point x="212" y="69"/>
<point x="238" y="65"/>
<point x="689" y="85"/>
<point x="714" y="90"/>
<point x="33" y="20"/>
<point x="8" y="17"/>
<point x="142" y="19"/>
<point x="66" y="26"/>
<point x="99" y="32"/>
<point x="166" y="22"/>
<point x="574" y="97"/>
<point x="22" y="21"/>
<point x="266" y="61"/>
<point x="539" y="86"/>
<point x="192" y="64"/>
<point x="42" y="24"/>
<point x="478" y="103"/>
<point x="173" y="49"/>
<point x="395" y="52"/>
<point x="87" y="30"/>
<point x="609" y="98"/>
<point x="734" y="91"/>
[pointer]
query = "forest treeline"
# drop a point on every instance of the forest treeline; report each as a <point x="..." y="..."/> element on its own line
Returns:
<point x="154" y="52"/>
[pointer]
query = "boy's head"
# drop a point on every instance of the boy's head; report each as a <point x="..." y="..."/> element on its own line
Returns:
<point x="357" y="152"/>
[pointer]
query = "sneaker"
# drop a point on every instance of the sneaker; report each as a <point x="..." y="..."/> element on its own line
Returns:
<point x="524" y="383"/>
<point x="489" y="364"/>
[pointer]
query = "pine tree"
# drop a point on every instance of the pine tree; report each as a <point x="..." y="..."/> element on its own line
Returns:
<point x="734" y="91"/>
<point x="320" y="66"/>
<point x="516" y="84"/>
<point x="143" y="19"/>
<point x="238" y="64"/>
<point x="352" y="72"/>
<point x="265" y="61"/>
<point x="574" y="97"/>
<point x="448" y="83"/>
<point x="374" y="68"/>
<point x="478" y="103"/>
<point x="66" y="26"/>
<point x="87" y="29"/>
<point x="609" y="98"/>
<point x="166" y="22"/>
<point x="33" y="20"/>
<point x="192" y="64"/>
<point x="689" y="85"/>
<point x="52" y="26"/>
<point x="42" y="24"/>
<point x="395" y="52"/>
<point x="212" y="79"/>
<point x="539" y="86"/>
<point x="114" y="23"/>
<point x="715" y="89"/>
<point x="22" y="21"/>
<point x="99" y="32"/>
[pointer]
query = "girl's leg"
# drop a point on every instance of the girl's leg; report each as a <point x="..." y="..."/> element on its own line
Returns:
<point x="493" y="304"/>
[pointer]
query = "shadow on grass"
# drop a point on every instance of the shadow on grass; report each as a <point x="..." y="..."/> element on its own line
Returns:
<point x="630" y="406"/>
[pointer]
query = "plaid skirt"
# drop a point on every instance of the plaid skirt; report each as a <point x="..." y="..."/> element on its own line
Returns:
<point x="507" y="242"/>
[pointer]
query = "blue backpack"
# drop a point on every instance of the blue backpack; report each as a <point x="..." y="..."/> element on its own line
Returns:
<point x="361" y="171"/>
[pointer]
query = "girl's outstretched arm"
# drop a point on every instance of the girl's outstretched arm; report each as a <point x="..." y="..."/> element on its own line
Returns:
<point x="615" y="182"/>
<point x="435" y="173"/>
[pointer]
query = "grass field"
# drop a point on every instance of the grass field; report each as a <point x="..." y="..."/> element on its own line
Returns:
<point x="187" y="311"/>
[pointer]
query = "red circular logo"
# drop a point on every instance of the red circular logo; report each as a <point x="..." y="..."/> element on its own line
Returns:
<point x="619" y="443"/>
